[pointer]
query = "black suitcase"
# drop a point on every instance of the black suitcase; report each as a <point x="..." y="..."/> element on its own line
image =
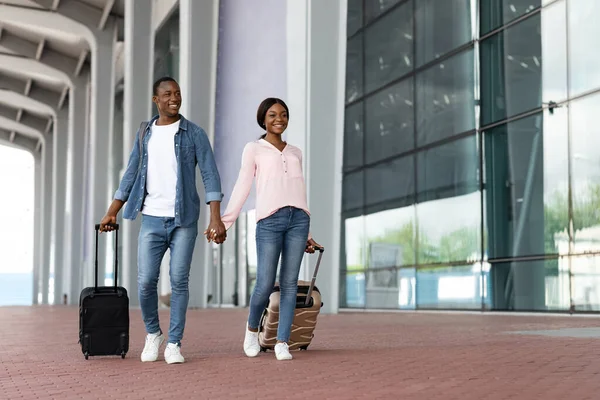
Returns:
<point x="104" y="314"/>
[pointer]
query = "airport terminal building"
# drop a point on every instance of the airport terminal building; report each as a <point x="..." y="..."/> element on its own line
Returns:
<point x="451" y="154"/>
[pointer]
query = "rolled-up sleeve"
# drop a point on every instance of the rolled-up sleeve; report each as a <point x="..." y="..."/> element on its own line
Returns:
<point x="208" y="167"/>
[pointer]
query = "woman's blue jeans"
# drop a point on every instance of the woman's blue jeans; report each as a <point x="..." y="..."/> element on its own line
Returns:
<point x="284" y="234"/>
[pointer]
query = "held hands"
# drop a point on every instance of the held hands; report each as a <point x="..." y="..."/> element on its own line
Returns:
<point x="312" y="246"/>
<point x="216" y="232"/>
<point x="106" y="225"/>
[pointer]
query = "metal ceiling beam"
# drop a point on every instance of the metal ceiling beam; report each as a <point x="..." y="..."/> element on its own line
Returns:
<point x="86" y="14"/>
<point x="106" y="13"/>
<point x="33" y="50"/>
<point x="20" y="141"/>
<point x="49" y="97"/>
<point x="23" y="117"/>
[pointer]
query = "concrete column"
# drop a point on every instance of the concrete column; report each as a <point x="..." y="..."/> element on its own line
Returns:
<point x="198" y="35"/>
<point x="139" y="50"/>
<point x="59" y="183"/>
<point x="101" y="124"/>
<point x="46" y="217"/>
<point x="37" y="226"/>
<point x="325" y="112"/>
<point x="74" y="199"/>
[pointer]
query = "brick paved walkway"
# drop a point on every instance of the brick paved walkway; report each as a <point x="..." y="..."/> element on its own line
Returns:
<point x="354" y="356"/>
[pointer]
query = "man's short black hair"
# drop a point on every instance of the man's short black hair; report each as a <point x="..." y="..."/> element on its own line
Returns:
<point x="159" y="81"/>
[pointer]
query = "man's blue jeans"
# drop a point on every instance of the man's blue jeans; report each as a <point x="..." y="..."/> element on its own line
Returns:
<point x="158" y="234"/>
<point x="284" y="233"/>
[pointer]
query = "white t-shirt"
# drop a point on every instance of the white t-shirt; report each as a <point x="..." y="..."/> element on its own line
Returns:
<point x="161" y="180"/>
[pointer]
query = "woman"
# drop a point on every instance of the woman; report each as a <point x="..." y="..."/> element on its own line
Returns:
<point x="283" y="221"/>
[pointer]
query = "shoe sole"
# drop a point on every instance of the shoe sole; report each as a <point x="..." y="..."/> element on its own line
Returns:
<point x="174" y="362"/>
<point x="251" y="355"/>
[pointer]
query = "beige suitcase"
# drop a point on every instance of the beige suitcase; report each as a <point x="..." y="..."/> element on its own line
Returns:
<point x="308" y="306"/>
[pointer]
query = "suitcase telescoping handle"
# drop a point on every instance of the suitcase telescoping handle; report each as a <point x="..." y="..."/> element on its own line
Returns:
<point x="116" y="228"/>
<point x="314" y="277"/>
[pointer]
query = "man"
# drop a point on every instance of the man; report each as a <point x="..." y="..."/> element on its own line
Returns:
<point x="160" y="182"/>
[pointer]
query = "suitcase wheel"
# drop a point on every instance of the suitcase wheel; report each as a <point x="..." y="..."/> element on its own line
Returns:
<point x="86" y="355"/>
<point x="304" y="347"/>
<point x="122" y="354"/>
<point x="263" y="349"/>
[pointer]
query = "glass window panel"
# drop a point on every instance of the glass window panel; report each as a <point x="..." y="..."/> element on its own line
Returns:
<point x="355" y="16"/>
<point x="353" y="137"/>
<point x="389" y="47"/>
<point x="446" y="99"/>
<point x="460" y="287"/>
<point x="352" y="290"/>
<point x="554" y="52"/>
<point x="530" y="285"/>
<point x="441" y="27"/>
<point x="374" y="8"/>
<point x="511" y="77"/>
<point x="584" y="40"/>
<point x="353" y="190"/>
<point x="382" y="289"/>
<point x="354" y="68"/>
<point x="526" y="185"/>
<point x="448" y="170"/>
<point x="391" y="237"/>
<point x="391" y="181"/>
<point x="496" y="13"/>
<point x="389" y="122"/>
<point x="450" y="229"/>
<point x="585" y="282"/>
<point x="585" y="164"/>
<point x="354" y="244"/>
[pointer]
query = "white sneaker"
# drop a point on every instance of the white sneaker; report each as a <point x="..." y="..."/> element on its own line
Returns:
<point x="153" y="342"/>
<point x="282" y="352"/>
<point x="251" y="345"/>
<point x="173" y="354"/>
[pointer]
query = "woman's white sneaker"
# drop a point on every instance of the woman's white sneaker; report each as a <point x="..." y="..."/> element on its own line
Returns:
<point x="251" y="345"/>
<point x="153" y="342"/>
<point x="173" y="354"/>
<point x="282" y="352"/>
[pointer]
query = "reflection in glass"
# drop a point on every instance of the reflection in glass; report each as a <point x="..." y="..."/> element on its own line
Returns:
<point x="375" y="8"/>
<point x="392" y="183"/>
<point x="353" y="191"/>
<point x="461" y="287"/>
<point x="584" y="40"/>
<point x="382" y="289"/>
<point x="354" y="68"/>
<point x="353" y="137"/>
<point x="388" y="47"/>
<point x="355" y="253"/>
<point x="355" y="16"/>
<point x="446" y="99"/>
<point x="389" y="122"/>
<point x="450" y="229"/>
<point x="441" y="27"/>
<point x="495" y="13"/>
<point x="585" y="164"/>
<point x="554" y="52"/>
<point x="448" y="170"/>
<point x="511" y="75"/>
<point x="585" y="281"/>
<point x="526" y="185"/>
<point x="530" y="285"/>
<point x="391" y="237"/>
<point x="354" y="287"/>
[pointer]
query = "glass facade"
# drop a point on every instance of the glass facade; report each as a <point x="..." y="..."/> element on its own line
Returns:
<point x="471" y="170"/>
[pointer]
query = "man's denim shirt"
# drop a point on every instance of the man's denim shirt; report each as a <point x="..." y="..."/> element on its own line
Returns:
<point x="191" y="147"/>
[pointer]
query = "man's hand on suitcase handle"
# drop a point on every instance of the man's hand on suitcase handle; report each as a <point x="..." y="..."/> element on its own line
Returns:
<point x="108" y="223"/>
<point x="312" y="246"/>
